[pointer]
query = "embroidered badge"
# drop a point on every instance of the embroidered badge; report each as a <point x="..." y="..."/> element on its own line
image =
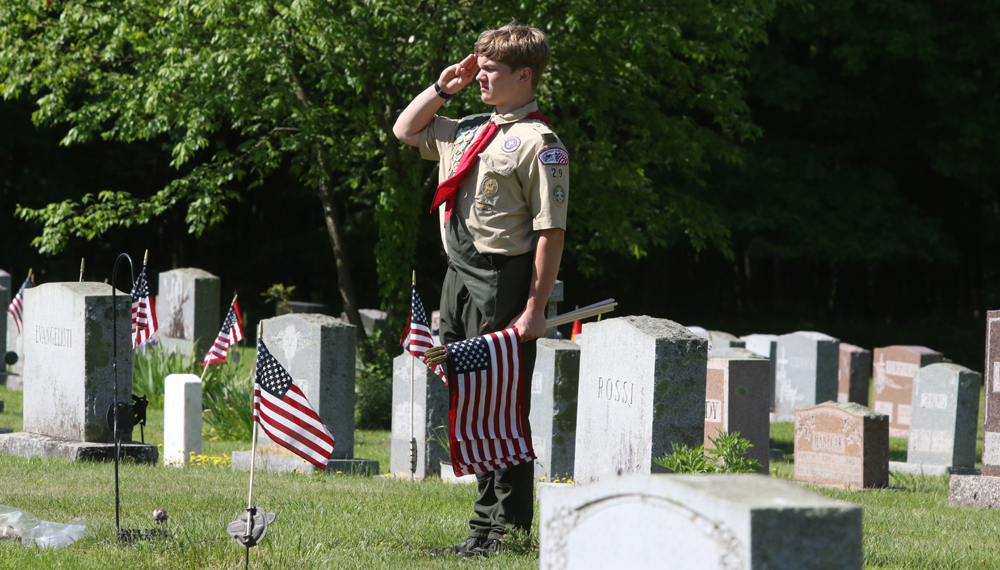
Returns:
<point x="511" y="144"/>
<point x="560" y="195"/>
<point x="484" y="207"/>
<point x="553" y="156"/>
<point x="489" y="186"/>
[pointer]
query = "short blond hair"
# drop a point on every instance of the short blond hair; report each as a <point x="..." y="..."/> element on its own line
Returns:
<point x="516" y="46"/>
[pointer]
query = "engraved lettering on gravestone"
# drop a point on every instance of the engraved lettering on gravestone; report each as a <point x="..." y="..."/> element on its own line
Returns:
<point x="53" y="336"/>
<point x="816" y="465"/>
<point x="934" y="401"/>
<point x="884" y="408"/>
<point x="828" y="442"/>
<point x="897" y="368"/>
<point x="802" y="362"/>
<point x="621" y="391"/>
<point x="904" y="413"/>
<point x="934" y="441"/>
<point x="536" y="383"/>
<point x="713" y="410"/>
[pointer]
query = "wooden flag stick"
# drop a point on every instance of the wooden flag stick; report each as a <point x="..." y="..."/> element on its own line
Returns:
<point x="145" y="258"/>
<point x="81" y="270"/>
<point x="253" y="444"/>
<point x="604" y="306"/>
<point x="413" y="440"/>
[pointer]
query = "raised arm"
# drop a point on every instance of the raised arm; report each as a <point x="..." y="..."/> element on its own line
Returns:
<point x="418" y="114"/>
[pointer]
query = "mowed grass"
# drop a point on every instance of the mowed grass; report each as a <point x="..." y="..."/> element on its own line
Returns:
<point x="342" y="521"/>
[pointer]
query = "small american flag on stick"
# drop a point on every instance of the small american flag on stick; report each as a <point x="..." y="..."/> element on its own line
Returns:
<point x="16" y="308"/>
<point x="488" y="426"/>
<point x="284" y="413"/>
<point x="143" y="312"/>
<point x="417" y="337"/>
<point x="230" y="334"/>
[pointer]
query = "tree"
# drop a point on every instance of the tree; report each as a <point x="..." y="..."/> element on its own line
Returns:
<point x="245" y="88"/>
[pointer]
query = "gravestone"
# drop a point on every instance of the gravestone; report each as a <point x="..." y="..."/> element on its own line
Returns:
<point x="5" y="297"/>
<point x="187" y="309"/>
<point x="736" y="400"/>
<point x="554" y="389"/>
<point x="765" y="345"/>
<point x="805" y="372"/>
<point x="944" y="421"/>
<point x="718" y="339"/>
<point x="703" y="522"/>
<point x="430" y="418"/>
<point x="892" y="379"/>
<point x="69" y="373"/>
<point x="841" y="444"/>
<point x="300" y="307"/>
<point x="318" y="351"/>
<point x="552" y="308"/>
<point x="641" y="391"/>
<point x="853" y="374"/>
<point x="182" y="422"/>
<point x="435" y="322"/>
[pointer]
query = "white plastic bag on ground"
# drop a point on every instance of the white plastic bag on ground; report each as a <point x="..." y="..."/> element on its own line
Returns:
<point x="29" y="530"/>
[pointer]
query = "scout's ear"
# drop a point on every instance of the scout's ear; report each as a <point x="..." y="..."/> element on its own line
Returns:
<point x="525" y="76"/>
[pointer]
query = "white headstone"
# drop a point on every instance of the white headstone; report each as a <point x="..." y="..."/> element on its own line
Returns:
<point x="68" y="371"/>
<point x="703" y="522"/>
<point x="642" y="390"/>
<point x="554" y="390"/>
<point x="805" y="372"/>
<point x="187" y="309"/>
<point x="182" y="408"/>
<point x="430" y="417"/>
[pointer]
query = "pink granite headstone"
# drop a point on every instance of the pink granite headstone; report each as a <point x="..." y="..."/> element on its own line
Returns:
<point x="892" y="376"/>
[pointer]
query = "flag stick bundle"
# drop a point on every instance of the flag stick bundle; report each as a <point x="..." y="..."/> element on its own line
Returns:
<point x="604" y="306"/>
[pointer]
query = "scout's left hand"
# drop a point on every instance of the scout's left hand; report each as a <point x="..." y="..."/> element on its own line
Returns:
<point x="530" y="324"/>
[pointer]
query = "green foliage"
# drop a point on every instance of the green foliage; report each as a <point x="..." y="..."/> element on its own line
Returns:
<point x="727" y="457"/>
<point x="152" y="366"/>
<point x="373" y="406"/>
<point x="280" y="294"/>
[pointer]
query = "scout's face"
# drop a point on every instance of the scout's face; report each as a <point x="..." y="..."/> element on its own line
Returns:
<point x="500" y="85"/>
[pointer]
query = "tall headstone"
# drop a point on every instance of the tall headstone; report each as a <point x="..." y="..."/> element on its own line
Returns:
<point x="853" y="374"/>
<point x="554" y="390"/>
<point x="182" y="422"/>
<point x="736" y="400"/>
<point x="841" y="444"/>
<point x="187" y="309"/>
<point x="707" y="522"/>
<point x="765" y="345"/>
<point x="641" y="391"/>
<point x="983" y="491"/>
<point x="318" y="351"/>
<point x="944" y="421"/>
<point x="430" y="417"/>
<point x="805" y="372"/>
<point x="69" y="379"/>
<point x="892" y="379"/>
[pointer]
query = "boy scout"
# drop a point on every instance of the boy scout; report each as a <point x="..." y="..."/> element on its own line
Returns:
<point x="504" y="187"/>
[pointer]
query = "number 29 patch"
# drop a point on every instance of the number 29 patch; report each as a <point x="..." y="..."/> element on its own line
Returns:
<point x="553" y="156"/>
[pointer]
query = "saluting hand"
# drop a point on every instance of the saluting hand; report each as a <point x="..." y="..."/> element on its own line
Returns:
<point x="455" y="77"/>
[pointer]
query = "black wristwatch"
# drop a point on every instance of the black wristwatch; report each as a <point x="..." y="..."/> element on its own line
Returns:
<point x="441" y="92"/>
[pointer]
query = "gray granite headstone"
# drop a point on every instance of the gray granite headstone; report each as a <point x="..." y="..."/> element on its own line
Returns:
<point x="805" y="372"/>
<point x="318" y="353"/>
<point x="765" y="345"/>
<point x="853" y="374"/>
<point x="944" y="420"/>
<point x="703" y="522"/>
<point x="187" y="309"/>
<point x="554" y="390"/>
<point x="5" y="296"/>
<point x="69" y="372"/>
<point x="430" y="418"/>
<point x="642" y="390"/>
<point x="552" y="309"/>
<point x="736" y="399"/>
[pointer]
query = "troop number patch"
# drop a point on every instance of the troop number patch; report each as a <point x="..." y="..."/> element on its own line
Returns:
<point x="553" y="156"/>
<point x="511" y="144"/>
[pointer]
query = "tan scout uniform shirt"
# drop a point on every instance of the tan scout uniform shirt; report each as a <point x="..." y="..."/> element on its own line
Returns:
<point x="519" y="185"/>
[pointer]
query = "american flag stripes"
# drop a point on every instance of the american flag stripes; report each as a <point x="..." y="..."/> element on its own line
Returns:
<point x="143" y="312"/>
<point x="417" y="334"/>
<point x="284" y="413"/>
<point x="230" y="334"/>
<point x="488" y="426"/>
<point x="16" y="308"/>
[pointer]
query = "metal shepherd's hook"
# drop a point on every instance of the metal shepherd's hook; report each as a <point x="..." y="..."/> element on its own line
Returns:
<point x="114" y="367"/>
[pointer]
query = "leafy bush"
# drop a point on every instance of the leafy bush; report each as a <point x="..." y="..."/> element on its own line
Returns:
<point x="727" y="457"/>
<point x="373" y="388"/>
<point x="152" y="366"/>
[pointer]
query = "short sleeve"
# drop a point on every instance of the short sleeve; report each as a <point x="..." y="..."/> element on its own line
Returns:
<point x="436" y="137"/>
<point x="549" y="180"/>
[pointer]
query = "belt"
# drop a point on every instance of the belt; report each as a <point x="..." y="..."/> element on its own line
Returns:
<point x="497" y="260"/>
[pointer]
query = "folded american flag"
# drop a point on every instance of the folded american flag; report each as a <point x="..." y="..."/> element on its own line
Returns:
<point x="488" y="426"/>
<point x="417" y="334"/>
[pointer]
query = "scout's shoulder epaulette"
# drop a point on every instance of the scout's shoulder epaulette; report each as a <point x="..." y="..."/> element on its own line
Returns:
<point x="549" y="138"/>
<point x="473" y="120"/>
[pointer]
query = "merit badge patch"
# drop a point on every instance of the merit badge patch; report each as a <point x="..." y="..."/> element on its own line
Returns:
<point x="553" y="156"/>
<point x="560" y="195"/>
<point x="484" y="207"/>
<point x="489" y="186"/>
<point x="511" y="144"/>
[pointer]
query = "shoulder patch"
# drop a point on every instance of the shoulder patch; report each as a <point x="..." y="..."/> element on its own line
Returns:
<point x="553" y="156"/>
<point x="550" y="138"/>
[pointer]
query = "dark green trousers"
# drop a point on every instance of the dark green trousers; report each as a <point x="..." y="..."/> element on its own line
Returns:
<point x="506" y="496"/>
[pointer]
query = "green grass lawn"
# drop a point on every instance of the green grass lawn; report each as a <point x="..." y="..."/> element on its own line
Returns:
<point x="342" y="521"/>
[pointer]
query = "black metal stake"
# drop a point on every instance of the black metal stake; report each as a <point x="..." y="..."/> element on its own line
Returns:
<point x="114" y="367"/>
